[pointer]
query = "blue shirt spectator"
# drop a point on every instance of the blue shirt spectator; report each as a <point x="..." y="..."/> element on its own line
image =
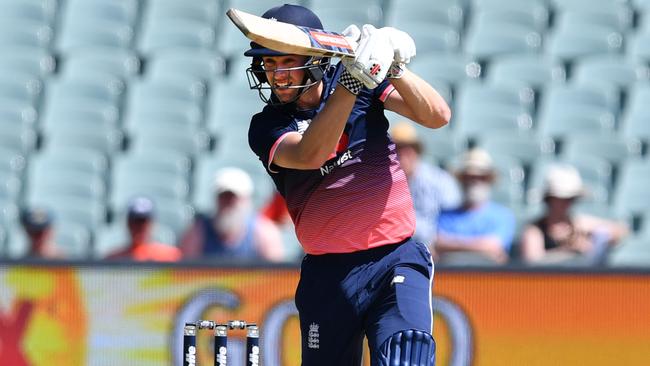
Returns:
<point x="480" y="228"/>
<point x="490" y="219"/>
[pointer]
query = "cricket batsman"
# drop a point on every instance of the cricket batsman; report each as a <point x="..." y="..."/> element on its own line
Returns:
<point x="323" y="139"/>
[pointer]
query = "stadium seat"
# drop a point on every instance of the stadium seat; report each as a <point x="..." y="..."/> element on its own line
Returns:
<point x="18" y="113"/>
<point x="121" y="63"/>
<point x="173" y="137"/>
<point x="488" y="119"/>
<point x="88" y="163"/>
<point x="170" y="88"/>
<point x="524" y="147"/>
<point x="586" y="5"/>
<point x="25" y="60"/>
<point x="19" y="139"/>
<point x="231" y="107"/>
<point x="16" y="242"/>
<point x="562" y="120"/>
<point x="632" y="192"/>
<point x="635" y="124"/>
<point x="432" y="38"/>
<point x="633" y="252"/>
<point x="642" y="5"/>
<point x="607" y="146"/>
<point x="529" y="16"/>
<point x="15" y="33"/>
<point x="104" y="118"/>
<point x="449" y="68"/>
<point x="84" y="162"/>
<point x="595" y="96"/>
<point x="489" y="40"/>
<point x="638" y="45"/>
<point x="11" y="162"/>
<point x="88" y="86"/>
<point x="613" y="70"/>
<point x="9" y="213"/>
<point x="160" y="34"/>
<point x="43" y="11"/>
<point x="145" y="113"/>
<point x="471" y="95"/>
<point x="160" y="162"/>
<point x="104" y="142"/>
<point x="204" y="11"/>
<point x="259" y="7"/>
<point x="615" y="18"/>
<point x="204" y="66"/>
<point x="440" y="146"/>
<point x="83" y="33"/>
<point x="538" y="9"/>
<point x="448" y="12"/>
<point x="120" y="12"/>
<point x="337" y="15"/>
<point x="21" y="88"/>
<point x="127" y="184"/>
<point x="527" y="70"/>
<point x="46" y="183"/>
<point x="582" y="40"/>
<point x="10" y="187"/>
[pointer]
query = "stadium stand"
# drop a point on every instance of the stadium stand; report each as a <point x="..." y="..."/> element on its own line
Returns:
<point x="101" y="100"/>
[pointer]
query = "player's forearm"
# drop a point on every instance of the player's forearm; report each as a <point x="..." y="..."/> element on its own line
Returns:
<point x="426" y="106"/>
<point x="320" y="139"/>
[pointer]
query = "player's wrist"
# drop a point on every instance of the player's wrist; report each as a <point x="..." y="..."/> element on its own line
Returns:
<point x="396" y="70"/>
<point x="350" y="83"/>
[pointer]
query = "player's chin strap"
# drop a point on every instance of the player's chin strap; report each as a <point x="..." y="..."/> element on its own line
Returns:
<point x="409" y="348"/>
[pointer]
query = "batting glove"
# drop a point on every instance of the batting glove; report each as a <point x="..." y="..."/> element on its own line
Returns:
<point x="403" y="48"/>
<point x="352" y="34"/>
<point x="374" y="57"/>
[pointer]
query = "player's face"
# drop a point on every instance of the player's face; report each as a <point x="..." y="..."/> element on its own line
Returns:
<point x="285" y="75"/>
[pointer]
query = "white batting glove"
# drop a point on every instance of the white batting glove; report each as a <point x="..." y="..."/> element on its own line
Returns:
<point x="374" y="58"/>
<point x="403" y="48"/>
<point x="352" y="34"/>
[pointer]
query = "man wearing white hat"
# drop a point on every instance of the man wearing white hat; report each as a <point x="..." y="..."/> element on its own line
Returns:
<point x="234" y="230"/>
<point x="558" y="236"/>
<point x="480" y="228"/>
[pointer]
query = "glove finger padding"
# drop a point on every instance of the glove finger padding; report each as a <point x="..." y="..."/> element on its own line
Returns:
<point x="374" y="57"/>
<point x="403" y="45"/>
<point x="352" y="34"/>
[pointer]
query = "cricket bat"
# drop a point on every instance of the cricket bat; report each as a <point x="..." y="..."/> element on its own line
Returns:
<point x="289" y="38"/>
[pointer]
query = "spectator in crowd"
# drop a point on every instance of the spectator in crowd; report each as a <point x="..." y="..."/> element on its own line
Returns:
<point x="432" y="188"/>
<point x="38" y="224"/>
<point x="234" y="230"/>
<point x="559" y="235"/>
<point x="140" y="221"/>
<point x="480" y="228"/>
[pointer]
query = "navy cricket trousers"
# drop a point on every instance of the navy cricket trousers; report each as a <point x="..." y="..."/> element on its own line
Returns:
<point x="376" y="293"/>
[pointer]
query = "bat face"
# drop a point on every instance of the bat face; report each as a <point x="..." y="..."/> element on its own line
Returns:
<point x="289" y="38"/>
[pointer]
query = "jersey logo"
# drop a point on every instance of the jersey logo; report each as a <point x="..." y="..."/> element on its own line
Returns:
<point x="313" y="339"/>
<point x="302" y="125"/>
<point x="328" y="168"/>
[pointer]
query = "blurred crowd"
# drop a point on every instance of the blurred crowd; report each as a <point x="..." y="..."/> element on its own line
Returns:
<point x="456" y="217"/>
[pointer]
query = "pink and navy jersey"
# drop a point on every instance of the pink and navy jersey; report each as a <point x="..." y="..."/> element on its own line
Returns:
<point x="359" y="199"/>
